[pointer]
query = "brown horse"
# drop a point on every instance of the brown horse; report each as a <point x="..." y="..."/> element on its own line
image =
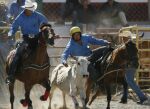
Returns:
<point x="34" y="68"/>
<point x="114" y="72"/>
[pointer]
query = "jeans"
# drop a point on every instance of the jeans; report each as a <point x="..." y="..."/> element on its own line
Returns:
<point x="130" y="80"/>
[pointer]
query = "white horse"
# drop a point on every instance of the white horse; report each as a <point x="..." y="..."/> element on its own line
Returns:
<point x="71" y="80"/>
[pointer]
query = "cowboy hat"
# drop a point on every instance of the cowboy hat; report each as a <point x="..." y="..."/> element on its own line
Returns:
<point x="30" y="5"/>
<point x="128" y="34"/>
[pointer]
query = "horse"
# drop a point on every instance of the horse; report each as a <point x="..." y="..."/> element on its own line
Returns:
<point x="33" y="68"/>
<point x="71" y="80"/>
<point x="114" y="71"/>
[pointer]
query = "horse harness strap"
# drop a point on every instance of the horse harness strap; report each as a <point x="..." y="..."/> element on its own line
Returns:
<point x="37" y="67"/>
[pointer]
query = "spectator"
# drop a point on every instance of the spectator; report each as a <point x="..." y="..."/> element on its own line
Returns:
<point x="15" y="9"/>
<point x="3" y="12"/>
<point x="82" y="12"/>
<point x="85" y="14"/>
<point x="111" y="14"/>
<point x="68" y="8"/>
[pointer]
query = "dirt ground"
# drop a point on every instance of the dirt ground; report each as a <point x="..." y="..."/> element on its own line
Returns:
<point x="99" y="103"/>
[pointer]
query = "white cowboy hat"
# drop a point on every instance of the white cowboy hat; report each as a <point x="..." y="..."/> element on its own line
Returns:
<point x="30" y="5"/>
<point x="128" y="34"/>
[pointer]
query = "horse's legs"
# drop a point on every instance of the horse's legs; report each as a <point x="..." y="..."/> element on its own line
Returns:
<point x="125" y="92"/>
<point x="108" y="90"/>
<point x="46" y="84"/>
<point x="27" y="101"/>
<point x="94" y="96"/>
<point x="88" y="89"/>
<point x="12" y="97"/>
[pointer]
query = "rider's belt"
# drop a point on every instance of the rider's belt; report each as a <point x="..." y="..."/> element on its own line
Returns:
<point x="30" y="35"/>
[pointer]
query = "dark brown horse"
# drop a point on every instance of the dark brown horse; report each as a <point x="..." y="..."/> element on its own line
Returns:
<point x="34" y="68"/>
<point x="114" y="72"/>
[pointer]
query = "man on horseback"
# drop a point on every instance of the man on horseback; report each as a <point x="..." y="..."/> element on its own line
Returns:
<point x="29" y="21"/>
<point x="79" y="46"/>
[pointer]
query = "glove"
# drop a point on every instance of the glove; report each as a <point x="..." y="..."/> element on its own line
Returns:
<point x="65" y="64"/>
<point x="11" y="41"/>
<point x="109" y="43"/>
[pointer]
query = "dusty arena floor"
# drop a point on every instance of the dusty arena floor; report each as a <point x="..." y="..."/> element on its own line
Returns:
<point x="99" y="103"/>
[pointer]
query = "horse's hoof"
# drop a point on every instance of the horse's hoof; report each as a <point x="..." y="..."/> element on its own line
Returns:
<point x="123" y="101"/>
<point x="24" y="103"/>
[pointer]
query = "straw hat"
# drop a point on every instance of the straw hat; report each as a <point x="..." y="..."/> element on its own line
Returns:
<point x="30" y="5"/>
<point x="127" y="34"/>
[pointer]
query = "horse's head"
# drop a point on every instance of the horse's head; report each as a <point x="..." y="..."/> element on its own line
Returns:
<point x="47" y="34"/>
<point x="132" y="53"/>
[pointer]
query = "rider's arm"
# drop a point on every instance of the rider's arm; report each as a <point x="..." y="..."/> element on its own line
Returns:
<point x="14" y="27"/>
<point x="42" y="19"/>
<point x="66" y="53"/>
<point x="96" y="41"/>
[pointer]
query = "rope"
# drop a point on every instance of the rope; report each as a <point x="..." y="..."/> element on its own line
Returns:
<point x="108" y="73"/>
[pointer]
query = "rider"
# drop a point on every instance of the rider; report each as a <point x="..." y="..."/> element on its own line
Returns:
<point x="79" y="46"/>
<point x="29" y="21"/>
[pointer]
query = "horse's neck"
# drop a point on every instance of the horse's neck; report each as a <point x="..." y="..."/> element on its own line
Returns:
<point x="116" y="57"/>
<point x="41" y="55"/>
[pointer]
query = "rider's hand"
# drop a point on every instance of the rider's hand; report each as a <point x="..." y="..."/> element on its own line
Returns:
<point x="109" y="43"/>
<point x="65" y="64"/>
<point x="10" y="37"/>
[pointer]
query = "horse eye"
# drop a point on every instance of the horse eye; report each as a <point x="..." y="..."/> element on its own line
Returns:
<point x="78" y="63"/>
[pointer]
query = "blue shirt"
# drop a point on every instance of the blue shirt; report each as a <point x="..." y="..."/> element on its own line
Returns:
<point x="28" y="24"/>
<point x="74" y="49"/>
<point x="16" y="9"/>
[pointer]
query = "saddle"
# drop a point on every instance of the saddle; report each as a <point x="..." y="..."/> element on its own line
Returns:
<point x="26" y="52"/>
<point x="101" y="63"/>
